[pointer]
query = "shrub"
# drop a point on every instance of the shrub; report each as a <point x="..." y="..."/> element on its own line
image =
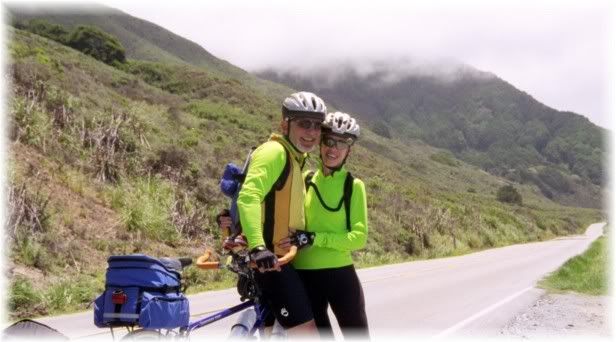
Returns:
<point x="68" y="294"/>
<point x="146" y="207"/>
<point x="32" y="253"/>
<point x="509" y="194"/>
<point x="187" y="218"/>
<point x="23" y="299"/>
<point x="98" y="44"/>
<point x="46" y="29"/>
<point x="28" y="222"/>
<point x="444" y="157"/>
<point x="172" y="157"/>
<point x="29" y="122"/>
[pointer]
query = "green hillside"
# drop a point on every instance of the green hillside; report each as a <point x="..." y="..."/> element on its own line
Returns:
<point x="141" y="39"/>
<point x="477" y="116"/>
<point x="109" y="160"/>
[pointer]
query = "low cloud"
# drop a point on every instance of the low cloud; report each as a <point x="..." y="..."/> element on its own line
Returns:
<point x="532" y="45"/>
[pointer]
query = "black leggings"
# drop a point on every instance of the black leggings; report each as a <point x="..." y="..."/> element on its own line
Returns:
<point x="340" y="288"/>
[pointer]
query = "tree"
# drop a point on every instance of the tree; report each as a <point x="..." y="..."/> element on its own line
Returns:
<point x="98" y="44"/>
<point x="509" y="194"/>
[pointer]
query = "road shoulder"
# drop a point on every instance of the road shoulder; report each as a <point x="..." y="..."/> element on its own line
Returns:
<point x="562" y="315"/>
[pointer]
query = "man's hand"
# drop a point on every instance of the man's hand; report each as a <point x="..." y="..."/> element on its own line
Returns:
<point x="266" y="260"/>
<point x="302" y="238"/>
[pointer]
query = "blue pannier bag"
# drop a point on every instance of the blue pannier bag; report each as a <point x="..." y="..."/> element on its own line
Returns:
<point x="144" y="291"/>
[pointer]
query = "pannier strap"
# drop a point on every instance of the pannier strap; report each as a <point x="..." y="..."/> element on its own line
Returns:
<point x="161" y="289"/>
<point x="118" y="315"/>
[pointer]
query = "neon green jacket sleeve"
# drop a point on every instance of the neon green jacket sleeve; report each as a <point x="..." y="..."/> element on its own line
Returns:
<point x="266" y="165"/>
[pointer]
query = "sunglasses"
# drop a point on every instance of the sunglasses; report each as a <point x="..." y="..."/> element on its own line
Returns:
<point x="338" y="144"/>
<point x="309" y="124"/>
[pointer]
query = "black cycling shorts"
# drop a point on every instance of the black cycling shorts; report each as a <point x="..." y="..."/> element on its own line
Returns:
<point x="283" y="292"/>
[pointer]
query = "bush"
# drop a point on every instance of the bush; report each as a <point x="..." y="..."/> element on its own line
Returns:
<point x="98" y="44"/>
<point x="509" y="194"/>
<point x="146" y="207"/>
<point x="171" y="157"/>
<point x="444" y="157"/>
<point x="23" y="299"/>
<point x="46" y="29"/>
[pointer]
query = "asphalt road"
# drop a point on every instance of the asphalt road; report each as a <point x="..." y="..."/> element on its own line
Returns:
<point x="470" y="295"/>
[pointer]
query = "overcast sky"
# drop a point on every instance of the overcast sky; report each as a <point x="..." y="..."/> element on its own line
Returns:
<point x="557" y="51"/>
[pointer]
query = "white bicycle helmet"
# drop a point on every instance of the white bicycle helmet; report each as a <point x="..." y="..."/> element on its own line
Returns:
<point x="304" y="104"/>
<point x="341" y="123"/>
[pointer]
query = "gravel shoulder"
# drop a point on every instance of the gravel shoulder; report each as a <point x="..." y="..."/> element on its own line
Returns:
<point x="562" y="315"/>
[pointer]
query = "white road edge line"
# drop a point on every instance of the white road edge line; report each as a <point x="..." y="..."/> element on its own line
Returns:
<point x="463" y="323"/>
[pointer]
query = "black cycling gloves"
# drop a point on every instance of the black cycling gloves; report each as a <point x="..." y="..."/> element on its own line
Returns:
<point x="302" y="238"/>
<point x="263" y="257"/>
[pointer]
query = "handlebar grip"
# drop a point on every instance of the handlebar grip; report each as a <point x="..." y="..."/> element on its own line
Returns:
<point x="208" y="265"/>
<point x="287" y="258"/>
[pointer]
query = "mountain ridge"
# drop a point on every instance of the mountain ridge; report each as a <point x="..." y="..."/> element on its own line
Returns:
<point x="481" y="118"/>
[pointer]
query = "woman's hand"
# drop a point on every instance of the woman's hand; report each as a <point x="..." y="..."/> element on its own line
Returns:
<point x="298" y="238"/>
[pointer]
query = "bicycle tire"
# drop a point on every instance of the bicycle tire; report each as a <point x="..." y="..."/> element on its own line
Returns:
<point x="144" y="335"/>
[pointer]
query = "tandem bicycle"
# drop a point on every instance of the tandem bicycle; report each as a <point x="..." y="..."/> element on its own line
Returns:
<point x="144" y="296"/>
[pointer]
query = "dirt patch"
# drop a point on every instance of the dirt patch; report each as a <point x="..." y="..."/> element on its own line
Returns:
<point x="562" y="315"/>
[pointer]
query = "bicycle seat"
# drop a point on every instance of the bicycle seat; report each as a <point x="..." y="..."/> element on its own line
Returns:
<point x="175" y="264"/>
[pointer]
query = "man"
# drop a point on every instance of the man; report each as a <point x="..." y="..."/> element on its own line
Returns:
<point x="271" y="206"/>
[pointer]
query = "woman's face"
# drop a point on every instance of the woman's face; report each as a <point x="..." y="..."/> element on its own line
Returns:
<point x="334" y="149"/>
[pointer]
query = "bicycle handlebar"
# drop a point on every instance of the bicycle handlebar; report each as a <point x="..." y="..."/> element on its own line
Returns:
<point x="285" y="259"/>
<point x="202" y="261"/>
<point x="208" y="265"/>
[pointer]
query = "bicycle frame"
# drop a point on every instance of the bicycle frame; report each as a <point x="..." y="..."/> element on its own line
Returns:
<point x="260" y="310"/>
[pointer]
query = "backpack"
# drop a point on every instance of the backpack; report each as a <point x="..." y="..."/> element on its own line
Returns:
<point x="346" y="195"/>
<point x="231" y="183"/>
<point x="144" y="291"/>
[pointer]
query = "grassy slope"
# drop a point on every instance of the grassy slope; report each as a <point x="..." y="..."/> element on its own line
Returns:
<point x="176" y="127"/>
<point x="586" y="273"/>
<point x="144" y="40"/>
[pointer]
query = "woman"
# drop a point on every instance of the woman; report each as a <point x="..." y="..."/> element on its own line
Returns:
<point x="333" y="230"/>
